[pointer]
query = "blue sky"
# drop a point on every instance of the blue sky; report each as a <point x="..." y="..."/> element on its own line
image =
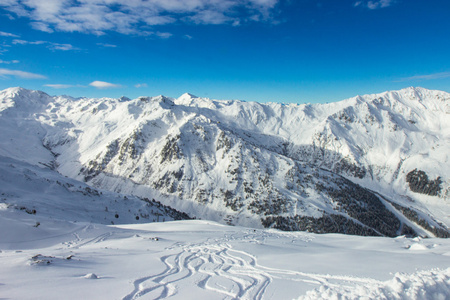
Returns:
<point x="255" y="50"/>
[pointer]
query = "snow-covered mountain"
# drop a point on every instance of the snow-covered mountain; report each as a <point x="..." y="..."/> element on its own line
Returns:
<point x="43" y="193"/>
<point x="369" y="165"/>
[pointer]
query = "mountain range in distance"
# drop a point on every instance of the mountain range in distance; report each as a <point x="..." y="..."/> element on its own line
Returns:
<point x="369" y="165"/>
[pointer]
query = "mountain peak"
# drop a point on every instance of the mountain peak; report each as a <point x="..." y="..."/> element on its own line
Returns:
<point x="22" y="96"/>
<point x="407" y="96"/>
<point x="188" y="95"/>
<point x="124" y="99"/>
<point x="15" y="91"/>
<point x="186" y="99"/>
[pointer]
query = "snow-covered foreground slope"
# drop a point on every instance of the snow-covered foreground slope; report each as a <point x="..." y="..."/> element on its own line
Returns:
<point x="370" y="165"/>
<point x="206" y="260"/>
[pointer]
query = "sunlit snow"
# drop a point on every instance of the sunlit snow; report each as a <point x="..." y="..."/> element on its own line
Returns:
<point x="61" y="238"/>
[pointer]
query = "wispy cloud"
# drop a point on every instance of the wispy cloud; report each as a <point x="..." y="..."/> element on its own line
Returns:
<point x="106" y="45"/>
<point x="5" y="73"/>
<point x="62" y="47"/>
<point x="134" y="17"/>
<point x="375" y="4"/>
<point x="103" y="85"/>
<point x="426" y="77"/>
<point x="23" y="42"/>
<point x="49" y="45"/>
<point x="4" y="48"/>
<point x="7" y="34"/>
<point x="7" y="62"/>
<point x="164" y="35"/>
<point x="212" y="17"/>
<point x="141" y="85"/>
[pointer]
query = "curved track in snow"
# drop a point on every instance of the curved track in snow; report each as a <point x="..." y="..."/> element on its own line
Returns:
<point x="218" y="267"/>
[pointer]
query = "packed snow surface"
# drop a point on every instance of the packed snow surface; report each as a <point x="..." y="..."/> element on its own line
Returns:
<point x="206" y="260"/>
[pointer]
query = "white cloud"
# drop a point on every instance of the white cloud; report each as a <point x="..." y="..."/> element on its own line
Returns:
<point x="134" y="16"/>
<point x="374" y="4"/>
<point x="106" y="45"/>
<point x="4" y="73"/>
<point x="23" y="42"/>
<point x="7" y="62"/>
<point x="164" y="35"/>
<point x="50" y="45"/>
<point x="428" y="76"/>
<point x="7" y="34"/>
<point x="62" y="47"/>
<point x="4" y="48"/>
<point x="103" y="85"/>
<point x="212" y="17"/>
<point x="140" y="85"/>
<point x="41" y="27"/>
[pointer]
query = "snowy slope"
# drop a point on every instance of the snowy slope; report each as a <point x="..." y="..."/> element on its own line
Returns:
<point x="288" y="166"/>
<point x="207" y="260"/>
<point x="40" y="193"/>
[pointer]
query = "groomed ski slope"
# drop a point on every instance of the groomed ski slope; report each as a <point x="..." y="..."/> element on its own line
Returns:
<point x="205" y="260"/>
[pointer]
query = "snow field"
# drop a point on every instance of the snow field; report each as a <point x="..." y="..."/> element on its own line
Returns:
<point x="423" y="285"/>
<point x="206" y="260"/>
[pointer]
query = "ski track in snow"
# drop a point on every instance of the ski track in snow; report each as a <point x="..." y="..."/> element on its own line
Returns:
<point x="79" y="241"/>
<point x="216" y="266"/>
<point x="224" y="264"/>
<point x="219" y="268"/>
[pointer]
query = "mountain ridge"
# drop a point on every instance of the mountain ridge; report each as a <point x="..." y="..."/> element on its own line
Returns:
<point x="246" y="163"/>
